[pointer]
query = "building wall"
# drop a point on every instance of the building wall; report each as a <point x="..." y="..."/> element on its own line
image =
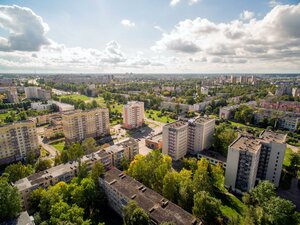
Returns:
<point x="133" y="115"/>
<point x="79" y="125"/>
<point x="17" y="140"/>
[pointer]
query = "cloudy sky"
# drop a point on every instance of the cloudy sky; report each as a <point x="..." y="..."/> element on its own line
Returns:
<point x="176" y="36"/>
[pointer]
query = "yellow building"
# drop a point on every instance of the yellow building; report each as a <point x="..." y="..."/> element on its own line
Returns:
<point x="17" y="140"/>
<point x="79" y="125"/>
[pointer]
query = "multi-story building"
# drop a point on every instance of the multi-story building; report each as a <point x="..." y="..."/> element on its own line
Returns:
<point x="121" y="188"/>
<point x="37" y="93"/>
<point x="200" y="134"/>
<point x="227" y="112"/>
<point x="251" y="159"/>
<point x="62" y="172"/>
<point x="127" y="149"/>
<point x="63" y="107"/>
<point x="133" y="115"/>
<point x="54" y="129"/>
<point x="17" y="140"/>
<point x="296" y="92"/>
<point x="175" y="139"/>
<point x="40" y="106"/>
<point x="286" y="106"/>
<point x="12" y="95"/>
<point x="79" y="125"/>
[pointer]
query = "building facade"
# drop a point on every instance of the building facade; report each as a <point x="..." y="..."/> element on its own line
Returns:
<point x="200" y="134"/>
<point x="79" y="125"/>
<point x="12" y="95"/>
<point x="175" y="139"/>
<point x="121" y="188"/>
<point x="133" y="115"/>
<point x="37" y="93"/>
<point x="252" y="159"/>
<point x="17" y="140"/>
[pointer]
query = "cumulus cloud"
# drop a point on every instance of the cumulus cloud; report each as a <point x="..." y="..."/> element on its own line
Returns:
<point x="276" y="36"/>
<point x="273" y="3"/>
<point x="127" y="23"/>
<point x="176" y="2"/>
<point x="246" y="15"/>
<point x="27" y="31"/>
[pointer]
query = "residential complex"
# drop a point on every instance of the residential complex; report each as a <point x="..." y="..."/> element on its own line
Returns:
<point x="110" y="157"/>
<point x="17" y="140"/>
<point x="63" y="107"/>
<point x="200" y="134"/>
<point x="121" y="188"/>
<point x="191" y="136"/>
<point x="154" y="142"/>
<point x="133" y="115"/>
<point x="12" y="95"/>
<point x="175" y="139"/>
<point x="78" y="124"/>
<point x="251" y="159"/>
<point x="37" y="93"/>
<point x="127" y="148"/>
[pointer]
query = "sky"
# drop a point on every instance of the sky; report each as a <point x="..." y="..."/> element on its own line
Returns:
<point x="150" y="36"/>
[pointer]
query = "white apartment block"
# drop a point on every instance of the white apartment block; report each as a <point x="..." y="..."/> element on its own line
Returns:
<point x="175" y="139"/>
<point x="37" y="93"/>
<point x="251" y="159"/>
<point x="200" y="134"/>
<point x="79" y="125"/>
<point x="133" y="115"/>
<point x="17" y="140"/>
<point x="40" y="106"/>
<point x="12" y="95"/>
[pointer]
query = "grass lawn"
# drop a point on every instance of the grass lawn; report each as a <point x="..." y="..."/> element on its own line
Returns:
<point x="2" y="117"/>
<point x="100" y="101"/>
<point x="59" y="145"/>
<point x="231" y="207"/>
<point x="155" y="116"/>
<point x="75" y="97"/>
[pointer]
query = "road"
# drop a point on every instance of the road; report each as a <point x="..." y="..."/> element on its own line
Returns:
<point x="49" y="148"/>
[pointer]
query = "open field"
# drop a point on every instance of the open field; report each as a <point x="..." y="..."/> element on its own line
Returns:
<point x="154" y="115"/>
<point x="75" y="97"/>
<point x="59" y="145"/>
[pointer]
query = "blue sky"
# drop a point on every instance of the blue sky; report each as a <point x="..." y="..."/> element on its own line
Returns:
<point x="157" y="39"/>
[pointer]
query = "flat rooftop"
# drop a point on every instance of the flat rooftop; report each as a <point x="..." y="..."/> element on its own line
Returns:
<point x="204" y="119"/>
<point x="244" y="143"/>
<point x="176" y="124"/>
<point x="270" y="136"/>
<point x="159" y="208"/>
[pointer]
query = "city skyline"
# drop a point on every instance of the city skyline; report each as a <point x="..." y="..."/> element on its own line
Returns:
<point x="177" y="36"/>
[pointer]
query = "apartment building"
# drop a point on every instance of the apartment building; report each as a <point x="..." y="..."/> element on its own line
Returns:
<point x="40" y="106"/>
<point x="127" y="149"/>
<point x="133" y="115"/>
<point x="55" y="128"/>
<point x="12" y="95"/>
<point x="78" y="124"/>
<point x="17" y="140"/>
<point x="154" y="142"/>
<point x="227" y="112"/>
<point x="63" y="107"/>
<point x="252" y="159"/>
<point x="200" y="134"/>
<point x="121" y="188"/>
<point x="37" y="93"/>
<point x="62" y="172"/>
<point x="175" y="139"/>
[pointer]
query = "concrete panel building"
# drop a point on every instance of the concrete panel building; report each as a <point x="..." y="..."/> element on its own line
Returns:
<point x="133" y="115"/>
<point x="252" y="159"/>
<point x="79" y="125"/>
<point x="200" y="134"/>
<point x="12" y="95"/>
<point x="121" y="188"/>
<point x="17" y="140"/>
<point x="175" y="139"/>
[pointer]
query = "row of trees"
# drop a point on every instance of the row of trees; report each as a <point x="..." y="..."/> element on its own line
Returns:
<point x="78" y="103"/>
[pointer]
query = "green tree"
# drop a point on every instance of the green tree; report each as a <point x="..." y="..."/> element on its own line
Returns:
<point x="223" y="137"/>
<point x="83" y="171"/>
<point x="10" y="200"/>
<point x="262" y="192"/>
<point x="42" y="164"/>
<point x="18" y="171"/>
<point x="89" y="145"/>
<point x="186" y="189"/>
<point x="134" y="215"/>
<point x="124" y="163"/>
<point x="97" y="170"/>
<point x="62" y="213"/>
<point x="203" y="180"/>
<point x="206" y="207"/>
<point x="170" y="186"/>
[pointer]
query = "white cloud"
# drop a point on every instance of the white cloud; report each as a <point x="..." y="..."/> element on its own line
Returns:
<point x="246" y="15"/>
<point x="127" y="23"/>
<point x="275" y="38"/>
<point x="27" y="31"/>
<point x="176" y="2"/>
<point x="159" y="28"/>
<point x="273" y="3"/>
